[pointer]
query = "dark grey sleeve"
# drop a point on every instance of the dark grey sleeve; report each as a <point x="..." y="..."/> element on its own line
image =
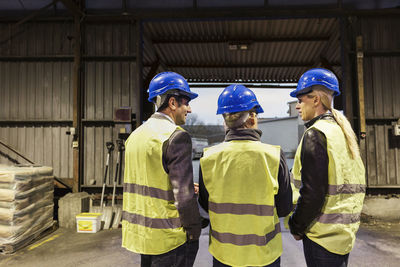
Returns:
<point x="203" y="193"/>
<point x="177" y="162"/>
<point x="314" y="180"/>
<point x="283" y="200"/>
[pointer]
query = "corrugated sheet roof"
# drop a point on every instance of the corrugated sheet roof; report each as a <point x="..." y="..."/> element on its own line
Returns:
<point x="22" y="5"/>
<point x="277" y="50"/>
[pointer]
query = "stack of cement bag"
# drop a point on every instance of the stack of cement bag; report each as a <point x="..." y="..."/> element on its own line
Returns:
<point x="26" y="204"/>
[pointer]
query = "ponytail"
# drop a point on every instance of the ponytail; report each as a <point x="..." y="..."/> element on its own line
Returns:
<point x="351" y="139"/>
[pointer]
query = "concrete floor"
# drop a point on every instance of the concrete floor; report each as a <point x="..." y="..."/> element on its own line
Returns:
<point x="376" y="245"/>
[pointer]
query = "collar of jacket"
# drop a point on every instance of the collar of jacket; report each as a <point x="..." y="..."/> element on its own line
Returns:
<point x="162" y="116"/>
<point x="325" y="116"/>
<point x="243" y="134"/>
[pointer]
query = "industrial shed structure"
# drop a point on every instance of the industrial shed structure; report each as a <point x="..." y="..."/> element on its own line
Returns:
<point x="71" y="63"/>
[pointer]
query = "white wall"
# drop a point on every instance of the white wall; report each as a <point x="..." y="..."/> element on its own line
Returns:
<point x="282" y="131"/>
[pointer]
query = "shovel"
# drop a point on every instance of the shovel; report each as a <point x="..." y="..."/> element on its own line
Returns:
<point x="117" y="209"/>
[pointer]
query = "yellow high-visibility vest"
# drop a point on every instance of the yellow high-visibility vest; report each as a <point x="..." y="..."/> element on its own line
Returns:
<point x="241" y="178"/>
<point x="151" y="223"/>
<point x="336" y="227"/>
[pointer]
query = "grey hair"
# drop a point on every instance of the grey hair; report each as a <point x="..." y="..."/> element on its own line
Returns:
<point x="236" y="119"/>
<point x="160" y="99"/>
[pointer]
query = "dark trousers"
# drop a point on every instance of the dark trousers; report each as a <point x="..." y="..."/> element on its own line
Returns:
<point x="217" y="263"/>
<point x="317" y="256"/>
<point x="182" y="256"/>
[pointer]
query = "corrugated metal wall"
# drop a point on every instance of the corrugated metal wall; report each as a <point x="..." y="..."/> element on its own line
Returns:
<point x="382" y="100"/>
<point x="36" y="106"/>
<point x="36" y="110"/>
<point x="108" y="85"/>
<point x="35" y="93"/>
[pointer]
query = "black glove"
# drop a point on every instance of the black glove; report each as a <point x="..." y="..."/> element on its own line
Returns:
<point x="204" y="222"/>
<point x="193" y="232"/>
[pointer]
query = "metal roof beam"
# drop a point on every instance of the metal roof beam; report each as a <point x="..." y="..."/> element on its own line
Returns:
<point x="226" y="14"/>
<point x="34" y="14"/>
<point x="261" y="12"/>
<point x="196" y="40"/>
<point x="248" y="84"/>
<point x="73" y="7"/>
<point x="242" y="65"/>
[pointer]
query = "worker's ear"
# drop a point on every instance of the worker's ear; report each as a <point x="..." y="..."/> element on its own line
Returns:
<point x="252" y="120"/>
<point x="253" y="117"/>
<point x="172" y="103"/>
<point x="316" y="100"/>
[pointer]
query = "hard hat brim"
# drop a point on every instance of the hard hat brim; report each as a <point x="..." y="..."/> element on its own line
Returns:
<point x="191" y="95"/>
<point x="235" y="109"/>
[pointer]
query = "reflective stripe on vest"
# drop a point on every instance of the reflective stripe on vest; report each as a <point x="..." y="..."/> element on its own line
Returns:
<point x="296" y="183"/>
<point x="246" y="240"/>
<point x="150" y="223"/>
<point x="149" y="191"/>
<point x="339" y="221"/>
<point x="241" y="209"/>
<point x="346" y="189"/>
<point x="241" y="179"/>
<point x="339" y="218"/>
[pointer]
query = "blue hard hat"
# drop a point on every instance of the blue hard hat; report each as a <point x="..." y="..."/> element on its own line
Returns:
<point x="314" y="77"/>
<point x="236" y="98"/>
<point x="165" y="81"/>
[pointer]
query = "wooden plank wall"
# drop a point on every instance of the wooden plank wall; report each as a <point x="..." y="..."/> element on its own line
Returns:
<point x="381" y="38"/>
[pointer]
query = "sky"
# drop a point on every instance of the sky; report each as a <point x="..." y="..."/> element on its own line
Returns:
<point x="273" y="101"/>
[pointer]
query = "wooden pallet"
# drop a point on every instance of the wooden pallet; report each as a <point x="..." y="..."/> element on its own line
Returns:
<point x="11" y="248"/>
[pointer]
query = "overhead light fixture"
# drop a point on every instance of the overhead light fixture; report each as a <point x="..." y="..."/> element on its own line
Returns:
<point x="234" y="46"/>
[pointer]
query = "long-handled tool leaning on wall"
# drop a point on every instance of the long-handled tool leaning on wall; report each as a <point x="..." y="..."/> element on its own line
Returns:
<point x="117" y="209"/>
<point x="110" y="148"/>
<point x="106" y="211"/>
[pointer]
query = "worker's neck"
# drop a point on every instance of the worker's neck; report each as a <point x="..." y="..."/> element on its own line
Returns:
<point x="319" y="111"/>
<point x="167" y="113"/>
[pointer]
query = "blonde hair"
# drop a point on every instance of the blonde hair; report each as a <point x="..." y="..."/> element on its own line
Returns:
<point x="326" y="97"/>
<point x="237" y="119"/>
